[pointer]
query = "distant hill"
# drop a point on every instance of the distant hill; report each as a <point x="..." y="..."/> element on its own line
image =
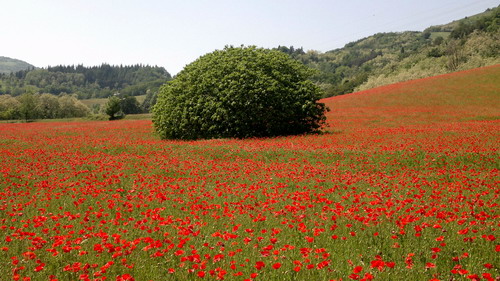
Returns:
<point x="8" y="65"/>
<point x="387" y="58"/>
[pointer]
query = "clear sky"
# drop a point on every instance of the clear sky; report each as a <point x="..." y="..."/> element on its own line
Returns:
<point x="173" y="33"/>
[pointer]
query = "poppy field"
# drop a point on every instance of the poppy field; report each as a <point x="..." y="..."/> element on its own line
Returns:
<point x="403" y="185"/>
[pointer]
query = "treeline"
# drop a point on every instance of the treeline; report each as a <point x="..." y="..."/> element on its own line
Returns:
<point x="41" y="106"/>
<point x="85" y="82"/>
<point x="30" y="107"/>
<point x="386" y="58"/>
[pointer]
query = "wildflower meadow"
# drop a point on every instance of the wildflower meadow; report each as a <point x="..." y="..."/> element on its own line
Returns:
<point x="402" y="185"/>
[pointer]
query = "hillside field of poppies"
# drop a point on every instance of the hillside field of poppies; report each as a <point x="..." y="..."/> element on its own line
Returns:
<point x="403" y="185"/>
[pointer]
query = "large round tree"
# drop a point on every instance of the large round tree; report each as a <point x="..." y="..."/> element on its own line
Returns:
<point x="239" y="92"/>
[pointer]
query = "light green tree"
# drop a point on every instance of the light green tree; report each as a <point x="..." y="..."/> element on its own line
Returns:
<point x="113" y="108"/>
<point x="9" y="107"/>
<point x="49" y="106"/>
<point x="70" y="106"/>
<point x="28" y="106"/>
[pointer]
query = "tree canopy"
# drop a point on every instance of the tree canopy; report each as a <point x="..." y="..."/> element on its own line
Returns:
<point x="29" y="106"/>
<point x="113" y="108"/>
<point x="239" y="92"/>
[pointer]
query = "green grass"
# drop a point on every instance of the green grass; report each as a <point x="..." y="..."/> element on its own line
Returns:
<point x="143" y="116"/>
<point x="102" y="101"/>
<point x="91" y="102"/>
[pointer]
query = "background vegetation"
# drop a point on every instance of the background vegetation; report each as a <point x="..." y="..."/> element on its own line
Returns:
<point x="29" y="107"/>
<point x="387" y="58"/>
<point x="92" y="85"/>
<point x="86" y="82"/>
<point x="381" y="59"/>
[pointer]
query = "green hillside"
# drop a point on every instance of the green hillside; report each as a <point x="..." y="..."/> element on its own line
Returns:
<point x="8" y="65"/>
<point x="387" y="58"/>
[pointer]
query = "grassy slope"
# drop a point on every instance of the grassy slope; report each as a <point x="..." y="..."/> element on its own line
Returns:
<point x="459" y="96"/>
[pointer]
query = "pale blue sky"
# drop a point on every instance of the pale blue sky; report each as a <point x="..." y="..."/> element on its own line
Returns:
<point x="173" y="33"/>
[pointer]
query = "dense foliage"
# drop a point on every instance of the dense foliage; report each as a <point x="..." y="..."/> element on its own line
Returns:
<point x="30" y="106"/>
<point x="86" y="82"/>
<point x="239" y="92"/>
<point x="41" y="106"/>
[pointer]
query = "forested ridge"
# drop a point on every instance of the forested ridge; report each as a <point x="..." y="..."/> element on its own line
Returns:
<point x="86" y="82"/>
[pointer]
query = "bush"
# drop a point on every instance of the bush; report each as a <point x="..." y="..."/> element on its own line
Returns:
<point x="239" y="92"/>
<point x="130" y="105"/>
<point x="435" y="53"/>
